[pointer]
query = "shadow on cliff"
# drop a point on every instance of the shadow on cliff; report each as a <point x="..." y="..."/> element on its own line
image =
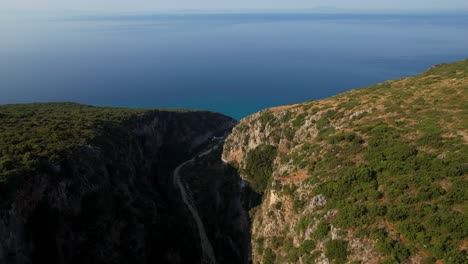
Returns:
<point x="223" y="201"/>
<point x="113" y="200"/>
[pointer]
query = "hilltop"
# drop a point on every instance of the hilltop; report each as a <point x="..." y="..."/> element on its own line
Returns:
<point x="373" y="175"/>
<point x="38" y="133"/>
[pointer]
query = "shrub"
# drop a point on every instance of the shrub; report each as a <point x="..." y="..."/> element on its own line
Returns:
<point x="350" y="137"/>
<point x="266" y="118"/>
<point x="337" y="250"/>
<point x="397" y="213"/>
<point x="432" y="139"/>
<point x="304" y="222"/>
<point x="299" y="121"/>
<point x="286" y="117"/>
<point x="33" y="133"/>
<point x="269" y="256"/>
<point x="6" y="164"/>
<point x="322" y="122"/>
<point x="259" y="166"/>
<point x="307" y="247"/>
<point x="358" y="175"/>
<point x="322" y="230"/>
<point x="289" y="133"/>
<point x="325" y="133"/>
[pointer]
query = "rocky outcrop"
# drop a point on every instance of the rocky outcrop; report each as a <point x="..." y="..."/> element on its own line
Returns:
<point x="112" y="200"/>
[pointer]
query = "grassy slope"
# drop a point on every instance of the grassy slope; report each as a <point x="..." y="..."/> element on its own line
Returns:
<point x="392" y="158"/>
<point x="31" y="133"/>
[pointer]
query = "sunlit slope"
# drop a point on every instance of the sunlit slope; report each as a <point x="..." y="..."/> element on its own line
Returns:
<point x="377" y="174"/>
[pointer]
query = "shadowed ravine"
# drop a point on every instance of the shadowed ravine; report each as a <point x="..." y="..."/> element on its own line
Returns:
<point x="120" y="198"/>
<point x="207" y="248"/>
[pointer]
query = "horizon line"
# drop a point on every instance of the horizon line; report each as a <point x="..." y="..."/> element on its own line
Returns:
<point x="330" y="10"/>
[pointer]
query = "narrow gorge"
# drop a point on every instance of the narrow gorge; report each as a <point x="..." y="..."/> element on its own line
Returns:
<point x="373" y="175"/>
<point x="127" y="195"/>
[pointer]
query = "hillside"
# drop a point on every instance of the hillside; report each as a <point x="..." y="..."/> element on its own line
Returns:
<point x="373" y="175"/>
<point x="33" y="133"/>
<point x="83" y="184"/>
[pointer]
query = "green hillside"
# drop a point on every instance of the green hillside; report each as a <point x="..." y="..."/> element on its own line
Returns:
<point x="44" y="131"/>
<point x="391" y="161"/>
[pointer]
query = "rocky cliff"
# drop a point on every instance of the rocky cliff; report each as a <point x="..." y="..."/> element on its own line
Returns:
<point x="374" y="175"/>
<point x="109" y="197"/>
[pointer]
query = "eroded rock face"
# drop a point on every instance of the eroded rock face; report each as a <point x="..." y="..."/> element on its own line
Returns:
<point x="112" y="201"/>
<point x="291" y="212"/>
<point x="349" y="178"/>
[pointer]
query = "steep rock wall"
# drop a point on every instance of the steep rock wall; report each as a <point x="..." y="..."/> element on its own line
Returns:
<point x="111" y="200"/>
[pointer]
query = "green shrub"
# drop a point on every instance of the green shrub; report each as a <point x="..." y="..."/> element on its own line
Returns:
<point x="432" y="139"/>
<point x="358" y="175"/>
<point x="286" y="117"/>
<point x="304" y="223"/>
<point x="307" y="247"/>
<point x="322" y="230"/>
<point x="297" y="203"/>
<point x="260" y="245"/>
<point x="269" y="256"/>
<point x="397" y="213"/>
<point x="6" y="164"/>
<point x="289" y="133"/>
<point x="337" y="251"/>
<point x="350" y="137"/>
<point x="267" y="118"/>
<point x="299" y="121"/>
<point x="259" y="166"/>
<point x="325" y="133"/>
<point x="293" y="255"/>
<point x="32" y="134"/>
<point x="322" y="122"/>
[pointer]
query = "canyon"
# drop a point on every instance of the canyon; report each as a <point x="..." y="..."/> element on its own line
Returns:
<point x="373" y="175"/>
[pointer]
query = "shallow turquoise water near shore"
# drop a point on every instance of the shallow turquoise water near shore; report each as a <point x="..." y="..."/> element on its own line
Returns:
<point x="231" y="63"/>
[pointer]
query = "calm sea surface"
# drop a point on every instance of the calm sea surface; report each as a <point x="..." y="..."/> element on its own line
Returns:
<point x="231" y="63"/>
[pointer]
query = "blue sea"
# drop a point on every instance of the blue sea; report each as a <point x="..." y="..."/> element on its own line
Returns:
<point x="232" y="63"/>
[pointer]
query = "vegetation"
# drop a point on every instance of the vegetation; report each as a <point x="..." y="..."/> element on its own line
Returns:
<point x="259" y="166"/>
<point x="269" y="257"/>
<point x="337" y="251"/>
<point x="34" y="133"/>
<point x="391" y="159"/>
<point x="322" y="230"/>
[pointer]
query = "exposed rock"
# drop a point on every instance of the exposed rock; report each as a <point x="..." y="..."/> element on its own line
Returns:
<point x="336" y="233"/>
<point x="357" y="114"/>
<point x="318" y="201"/>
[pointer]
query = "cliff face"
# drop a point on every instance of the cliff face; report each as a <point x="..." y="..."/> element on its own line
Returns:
<point x="372" y="175"/>
<point x="112" y="199"/>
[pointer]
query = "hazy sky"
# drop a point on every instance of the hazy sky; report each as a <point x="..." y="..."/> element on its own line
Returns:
<point x="152" y="5"/>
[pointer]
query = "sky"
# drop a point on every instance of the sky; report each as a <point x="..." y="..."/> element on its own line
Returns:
<point x="155" y="5"/>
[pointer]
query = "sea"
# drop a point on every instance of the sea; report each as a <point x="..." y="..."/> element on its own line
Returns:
<point x="235" y="63"/>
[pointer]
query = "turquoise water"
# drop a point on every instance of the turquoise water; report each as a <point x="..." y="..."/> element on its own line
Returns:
<point x="231" y="63"/>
